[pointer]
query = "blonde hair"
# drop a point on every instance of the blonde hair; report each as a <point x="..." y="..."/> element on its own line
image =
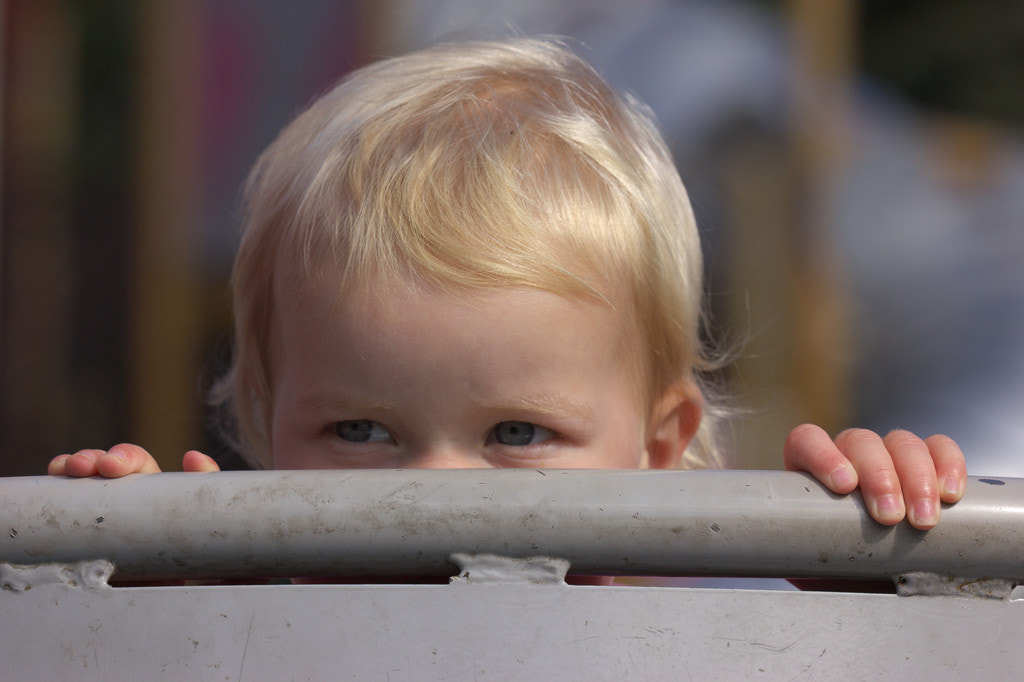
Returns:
<point x="481" y="164"/>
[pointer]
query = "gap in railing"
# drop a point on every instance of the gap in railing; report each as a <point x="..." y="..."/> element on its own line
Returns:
<point x="693" y="582"/>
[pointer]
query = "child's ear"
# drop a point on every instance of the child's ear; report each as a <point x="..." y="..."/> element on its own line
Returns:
<point x="674" y="422"/>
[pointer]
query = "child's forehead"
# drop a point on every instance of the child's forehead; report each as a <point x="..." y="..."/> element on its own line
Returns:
<point x="423" y="323"/>
<point x="372" y="317"/>
<point x="328" y="292"/>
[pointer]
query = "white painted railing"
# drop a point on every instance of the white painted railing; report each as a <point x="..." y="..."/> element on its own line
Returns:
<point x="510" y="535"/>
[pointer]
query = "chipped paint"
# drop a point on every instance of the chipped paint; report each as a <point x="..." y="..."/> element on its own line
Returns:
<point x="88" y="575"/>
<point x="933" y="584"/>
<point x="490" y="568"/>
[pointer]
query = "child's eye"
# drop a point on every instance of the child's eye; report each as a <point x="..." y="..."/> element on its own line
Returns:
<point x="520" y="434"/>
<point x="362" y="431"/>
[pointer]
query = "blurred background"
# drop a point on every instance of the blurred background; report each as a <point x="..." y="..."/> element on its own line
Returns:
<point x="857" y="168"/>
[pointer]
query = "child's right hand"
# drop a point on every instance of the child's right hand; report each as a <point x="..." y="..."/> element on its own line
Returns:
<point x="122" y="460"/>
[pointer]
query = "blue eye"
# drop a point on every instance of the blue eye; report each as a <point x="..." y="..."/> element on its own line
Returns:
<point x="520" y="434"/>
<point x="362" y="431"/>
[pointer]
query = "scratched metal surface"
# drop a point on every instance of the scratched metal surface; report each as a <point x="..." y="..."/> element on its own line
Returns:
<point x="500" y="632"/>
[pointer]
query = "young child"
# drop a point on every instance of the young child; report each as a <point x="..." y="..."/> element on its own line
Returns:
<point x="480" y="255"/>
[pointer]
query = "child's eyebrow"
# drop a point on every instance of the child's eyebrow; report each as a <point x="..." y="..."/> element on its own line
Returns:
<point x="559" y="404"/>
<point x="318" y="402"/>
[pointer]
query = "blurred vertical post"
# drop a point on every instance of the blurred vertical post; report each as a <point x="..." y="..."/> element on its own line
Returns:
<point x="823" y="33"/>
<point x="166" y="317"/>
<point x="782" y="275"/>
<point x="3" y="130"/>
<point x="39" y="128"/>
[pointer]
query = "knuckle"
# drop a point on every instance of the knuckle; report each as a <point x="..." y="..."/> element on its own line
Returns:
<point x="802" y="434"/>
<point x="900" y="441"/>
<point x="883" y="479"/>
<point x="941" y="442"/>
<point x="857" y="438"/>
<point x="804" y="430"/>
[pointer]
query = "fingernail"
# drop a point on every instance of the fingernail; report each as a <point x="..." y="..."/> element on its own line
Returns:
<point x="889" y="507"/>
<point x="953" y="485"/>
<point x="925" y="513"/>
<point x="843" y="477"/>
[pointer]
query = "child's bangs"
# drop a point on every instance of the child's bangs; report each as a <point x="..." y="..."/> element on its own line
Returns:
<point x="483" y="204"/>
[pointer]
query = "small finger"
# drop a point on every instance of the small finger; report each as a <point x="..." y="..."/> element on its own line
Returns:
<point x="809" y="448"/>
<point x="196" y="461"/>
<point x="879" y="482"/>
<point x="913" y="463"/>
<point x="950" y="467"/>
<point x="124" y="459"/>
<point x="57" y="466"/>
<point x="82" y="463"/>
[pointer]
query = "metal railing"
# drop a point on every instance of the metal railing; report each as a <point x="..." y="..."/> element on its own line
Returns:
<point x="411" y="523"/>
<point x="503" y="532"/>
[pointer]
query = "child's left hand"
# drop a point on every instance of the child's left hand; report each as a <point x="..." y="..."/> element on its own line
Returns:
<point x="899" y="475"/>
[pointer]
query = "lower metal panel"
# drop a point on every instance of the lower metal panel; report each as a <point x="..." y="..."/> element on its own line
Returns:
<point x="500" y="631"/>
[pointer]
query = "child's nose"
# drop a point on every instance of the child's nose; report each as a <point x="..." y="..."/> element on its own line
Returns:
<point x="447" y="458"/>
